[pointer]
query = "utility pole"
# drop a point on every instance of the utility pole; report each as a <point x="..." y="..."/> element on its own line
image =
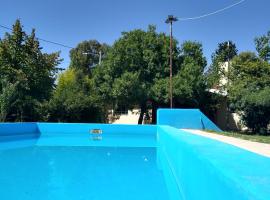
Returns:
<point x="227" y="88"/>
<point x="100" y="55"/>
<point x="170" y="21"/>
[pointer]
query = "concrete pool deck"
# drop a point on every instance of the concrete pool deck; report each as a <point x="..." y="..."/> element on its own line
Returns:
<point x="256" y="147"/>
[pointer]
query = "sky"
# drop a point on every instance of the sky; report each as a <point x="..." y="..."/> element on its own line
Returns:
<point x="70" y="22"/>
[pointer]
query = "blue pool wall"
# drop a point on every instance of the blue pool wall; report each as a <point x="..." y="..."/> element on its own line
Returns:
<point x="197" y="167"/>
<point x="79" y="134"/>
<point x="185" y="119"/>
<point x="81" y="128"/>
<point x="18" y="131"/>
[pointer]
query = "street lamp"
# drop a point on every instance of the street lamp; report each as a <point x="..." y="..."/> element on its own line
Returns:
<point x="170" y="21"/>
<point x="95" y="54"/>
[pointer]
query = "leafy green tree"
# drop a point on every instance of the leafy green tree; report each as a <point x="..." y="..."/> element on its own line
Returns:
<point x="249" y="90"/>
<point x="86" y="55"/>
<point x="7" y="96"/>
<point x="135" y="62"/>
<point x="225" y="52"/>
<point x="263" y="46"/>
<point x="74" y="99"/>
<point x="189" y="82"/>
<point x="137" y="70"/>
<point x="23" y="62"/>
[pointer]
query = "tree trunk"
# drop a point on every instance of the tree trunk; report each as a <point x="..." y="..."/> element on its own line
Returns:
<point x="143" y="110"/>
<point x="154" y="112"/>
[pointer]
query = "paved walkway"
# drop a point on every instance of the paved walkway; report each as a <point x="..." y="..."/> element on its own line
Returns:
<point x="256" y="147"/>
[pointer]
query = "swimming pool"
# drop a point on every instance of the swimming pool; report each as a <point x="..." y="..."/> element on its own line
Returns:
<point x="71" y="161"/>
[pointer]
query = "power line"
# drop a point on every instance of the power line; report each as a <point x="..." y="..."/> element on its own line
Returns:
<point x="180" y="19"/>
<point x="5" y="27"/>
<point x="56" y="43"/>
<point x="211" y="13"/>
<point x="44" y="40"/>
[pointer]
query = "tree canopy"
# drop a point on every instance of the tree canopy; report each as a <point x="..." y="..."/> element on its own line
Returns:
<point x="86" y="55"/>
<point x="137" y="70"/>
<point x="23" y="63"/>
<point x="134" y="72"/>
<point x="249" y="90"/>
<point x="74" y="99"/>
<point x="262" y="44"/>
<point x="225" y="52"/>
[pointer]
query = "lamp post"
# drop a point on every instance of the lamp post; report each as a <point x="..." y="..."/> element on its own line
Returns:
<point x="99" y="54"/>
<point x="227" y="87"/>
<point x="170" y="21"/>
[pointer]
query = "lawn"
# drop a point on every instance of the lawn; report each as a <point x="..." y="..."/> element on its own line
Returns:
<point x="251" y="137"/>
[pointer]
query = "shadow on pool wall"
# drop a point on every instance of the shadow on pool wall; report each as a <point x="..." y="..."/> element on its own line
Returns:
<point x="185" y="119"/>
<point x="18" y="131"/>
<point x="194" y="167"/>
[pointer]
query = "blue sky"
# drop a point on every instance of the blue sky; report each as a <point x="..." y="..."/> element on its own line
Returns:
<point x="70" y="22"/>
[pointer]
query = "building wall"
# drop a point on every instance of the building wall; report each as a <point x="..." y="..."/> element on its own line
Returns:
<point x="131" y="117"/>
<point x="227" y="120"/>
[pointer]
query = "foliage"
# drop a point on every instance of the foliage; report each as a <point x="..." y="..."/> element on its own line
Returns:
<point x="7" y="95"/>
<point x="189" y="82"/>
<point x="135" y="62"/>
<point x="86" y="55"/>
<point x="263" y="46"/>
<point x="23" y="63"/>
<point x="250" y="91"/>
<point x="74" y="99"/>
<point x="225" y="52"/>
<point x="133" y="72"/>
<point x="137" y="71"/>
<point x="189" y="86"/>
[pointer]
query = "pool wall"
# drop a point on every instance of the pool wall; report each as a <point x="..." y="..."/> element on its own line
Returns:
<point x="185" y="119"/>
<point x="197" y="167"/>
<point x="18" y="131"/>
<point x="79" y="134"/>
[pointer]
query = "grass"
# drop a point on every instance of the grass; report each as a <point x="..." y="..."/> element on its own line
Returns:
<point x="247" y="136"/>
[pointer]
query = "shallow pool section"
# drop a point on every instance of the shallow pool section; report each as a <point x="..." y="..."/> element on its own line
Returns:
<point x="86" y="172"/>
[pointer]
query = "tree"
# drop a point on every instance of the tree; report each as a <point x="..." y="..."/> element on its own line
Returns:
<point x="249" y="90"/>
<point x="263" y="46"/>
<point x="189" y="82"/>
<point x="135" y="62"/>
<point x="7" y="95"/>
<point x="225" y="52"/>
<point x="86" y="55"/>
<point x="74" y="99"/>
<point x="137" y="70"/>
<point x="22" y="62"/>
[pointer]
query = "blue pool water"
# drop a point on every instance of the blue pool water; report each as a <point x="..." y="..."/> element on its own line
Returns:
<point x="73" y="172"/>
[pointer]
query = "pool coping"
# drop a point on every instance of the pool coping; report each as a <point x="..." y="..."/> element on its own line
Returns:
<point x="255" y="147"/>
